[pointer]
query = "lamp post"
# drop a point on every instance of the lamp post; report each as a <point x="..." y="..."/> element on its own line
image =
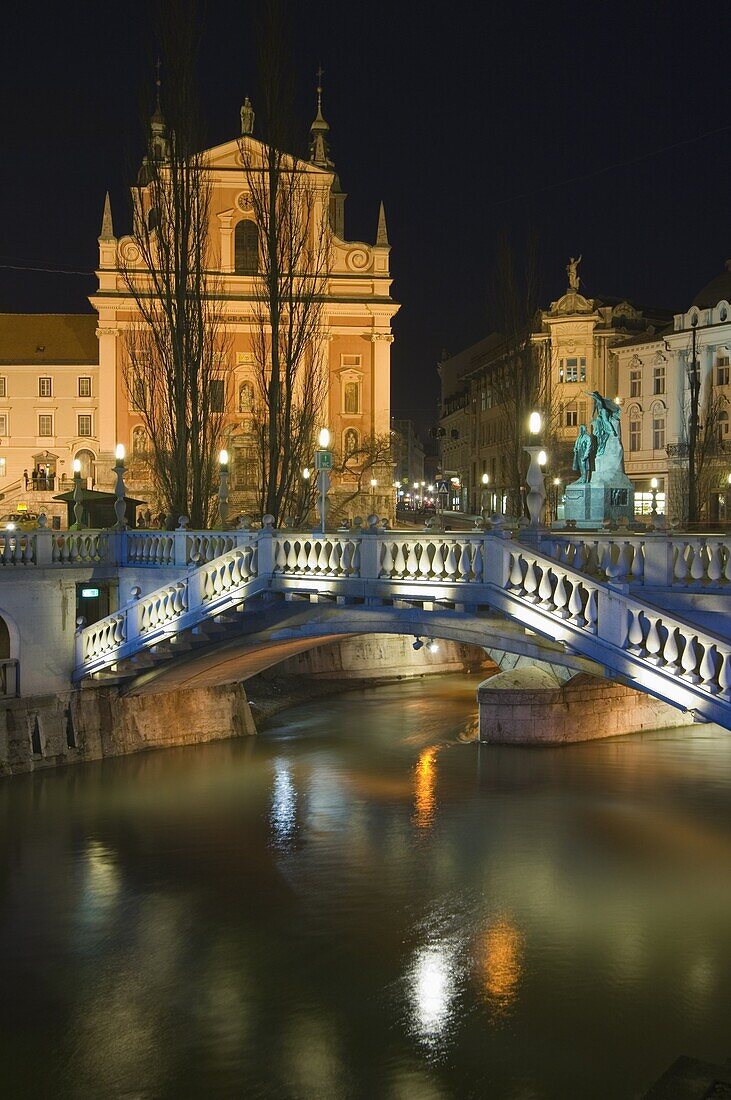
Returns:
<point x="78" y="503"/>
<point x="653" y="489"/>
<point x="119" y="490"/>
<point x="484" y="499"/>
<point x="536" y="497"/>
<point x="374" y="485"/>
<point x="323" y="464"/>
<point x="223" y="488"/>
<point x="556" y="496"/>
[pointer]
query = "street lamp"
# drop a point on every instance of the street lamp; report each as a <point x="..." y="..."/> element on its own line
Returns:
<point x="653" y="489"/>
<point x="536" y="497"/>
<point x="484" y="500"/>
<point x="223" y="488"/>
<point x="374" y="483"/>
<point x="78" y="505"/>
<point x="119" y="490"/>
<point x="323" y="463"/>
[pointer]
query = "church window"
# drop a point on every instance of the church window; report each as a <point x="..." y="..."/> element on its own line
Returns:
<point x="658" y="433"/>
<point x="572" y="369"/>
<point x="84" y="386"/>
<point x="723" y="425"/>
<point x="4" y="424"/>
<point x="246" y="397"/>
<point x="84" y="424"/>
<point x="218" y="395"/>
<point x="3" y="387"/>
<point x="635" y="433"/>
<point x="351" y="398"/>
<point x="658" y="378"/>
<point x="45" y="425"/>
<point x="246" y="248"/>
<point x="350" y="441"/>
<point x="723" y="366"/>
<point x="45" y="387"/>
<point x="635" y="382"/>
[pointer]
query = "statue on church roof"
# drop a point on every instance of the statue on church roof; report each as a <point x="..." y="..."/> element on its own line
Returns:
<point x="572" y="270"/>
<point x="247" y="117"/>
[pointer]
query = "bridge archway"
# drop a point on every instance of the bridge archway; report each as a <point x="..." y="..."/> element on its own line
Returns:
<point x="9" y="637"/>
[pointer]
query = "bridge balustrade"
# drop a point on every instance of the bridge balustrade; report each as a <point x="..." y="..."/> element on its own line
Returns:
<point x="661" y="560"/>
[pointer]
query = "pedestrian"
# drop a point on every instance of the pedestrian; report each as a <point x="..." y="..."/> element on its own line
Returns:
<point x="25" y="479"/>
<point x="34" y="479"/>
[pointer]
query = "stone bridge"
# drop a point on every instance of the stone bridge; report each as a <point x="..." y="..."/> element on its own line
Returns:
<point x="202" y="608"/>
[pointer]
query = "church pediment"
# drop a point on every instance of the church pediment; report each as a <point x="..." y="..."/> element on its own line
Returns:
<point x="228" y="156"/>
<point x="572" y="302"/>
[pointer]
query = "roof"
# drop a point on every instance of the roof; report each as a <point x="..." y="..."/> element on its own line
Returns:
<point x="718" y="290"/>
<point x="649" y="336"/>
<point x="50" y="338"/>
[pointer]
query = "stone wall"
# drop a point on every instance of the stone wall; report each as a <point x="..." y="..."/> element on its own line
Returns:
<point x="529" y="707"/>
<point x="382" y="657"/>
<point x="46" y="731"/>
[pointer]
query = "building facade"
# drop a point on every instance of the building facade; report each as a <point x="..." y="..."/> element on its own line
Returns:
<point x="653" y="372"/>
<point x="407" y="453"/>
<point x="62" y="387"/>
<point x="571" y="340"/>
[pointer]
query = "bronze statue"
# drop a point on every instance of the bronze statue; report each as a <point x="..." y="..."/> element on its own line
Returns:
<point x="572" y="270"/>
<point x="582" y="454"/>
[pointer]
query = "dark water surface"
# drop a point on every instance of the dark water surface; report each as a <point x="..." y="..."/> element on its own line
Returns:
<point x="358" y="905"/>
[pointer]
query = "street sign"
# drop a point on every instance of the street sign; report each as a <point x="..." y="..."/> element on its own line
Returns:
<point x="443" y="487"/>
<point x="323" y="460"/>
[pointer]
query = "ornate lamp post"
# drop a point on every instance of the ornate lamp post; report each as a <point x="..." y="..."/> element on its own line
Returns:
<point x="374" y="485"/>
<point x="323" y="464"/>
<point x="484" y="499"/>
<point x="119" y="489"/>
<point x="536" y="497"/>
<point x="78" y="501"/>
<point x="653" y="489"/>
<point x="556" y="496"/>
<point x="223" y="488"/>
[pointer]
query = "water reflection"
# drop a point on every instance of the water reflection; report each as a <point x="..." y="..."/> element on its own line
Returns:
<point x="433" y="987"/>
<point x="283" y="814"/>
<point x="425" y="782"/>
<point x="499" y="962"/>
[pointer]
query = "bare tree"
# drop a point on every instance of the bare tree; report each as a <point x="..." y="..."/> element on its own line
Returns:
<point x="373" y="457"/>
<point x="290" y="206"/>
<point x="698" y="460"/>
<point x="522" y="377"/>
<point x="177" y="349"/>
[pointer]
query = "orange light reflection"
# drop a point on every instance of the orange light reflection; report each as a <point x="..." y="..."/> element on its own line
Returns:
<point x="499" y="959"/>
<point x="425" y="780"/>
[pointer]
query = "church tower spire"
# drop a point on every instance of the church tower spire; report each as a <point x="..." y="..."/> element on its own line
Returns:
<point x="159" y="148"/>
<point x="107" y="230"/>
<point x="319" y="145"/>
<point x="382" y="232"/>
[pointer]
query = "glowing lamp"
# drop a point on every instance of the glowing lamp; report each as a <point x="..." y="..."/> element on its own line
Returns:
<point x="535" y="423"/>
<point x="374" y="482"/>
<point x="432" y="646"/>
<point x="119" y="452"/>
<point x="485" y="479"/>
<point x="557" y="481"/>
<point x="306" y="473"/>
<point x="654" y="483"/>
<point x="323" y="439"/>
<point x="542" y="458"/>
<point x="77" y="466"/>
<point x="223" y="458"/>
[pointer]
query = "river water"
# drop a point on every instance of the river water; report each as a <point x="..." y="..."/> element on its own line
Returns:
<point x="359" y="904"/>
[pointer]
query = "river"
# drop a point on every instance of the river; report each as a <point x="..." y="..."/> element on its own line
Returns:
<point x="359" y="904"/>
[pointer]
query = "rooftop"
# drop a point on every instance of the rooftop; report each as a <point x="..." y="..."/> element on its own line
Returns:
<point x="49" y="338"/>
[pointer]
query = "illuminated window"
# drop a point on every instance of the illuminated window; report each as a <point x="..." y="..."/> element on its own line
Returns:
<point x="85" y="386"/>
<point x="84" y="425"/>
<point x="635" y="434"/>
<point x="572" y="418"/>
<point x="572" y="369"/>
<point x="351" y="398"/>
<point x="246" y="397"/>
<point x="4" y="424"/>
<point x="723" y="425"/>
<point x="3" y="387"/>
<point x="635" y="382"/>
<point x="246" y="248"/>
<point x="658" y="378"/>
<point x="45" y="425"/>
<point x="723" y="367"/>
<point x="3" y="467"/>
<point x="44" y="387"/>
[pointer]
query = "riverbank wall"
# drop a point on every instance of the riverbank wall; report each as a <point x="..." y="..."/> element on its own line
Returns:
<point x="50" y="731"/>
<point x="528" y="706"/>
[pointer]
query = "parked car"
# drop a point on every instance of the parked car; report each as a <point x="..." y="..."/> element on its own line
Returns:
<point x="19" y="521"/>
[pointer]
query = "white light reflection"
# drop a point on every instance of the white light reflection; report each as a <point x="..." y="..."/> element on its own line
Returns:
<point x="433" y="981"/>
<point x="283" y="814"/>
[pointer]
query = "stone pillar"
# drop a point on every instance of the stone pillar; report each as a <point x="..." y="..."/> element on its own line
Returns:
<point x="658" y="561"/>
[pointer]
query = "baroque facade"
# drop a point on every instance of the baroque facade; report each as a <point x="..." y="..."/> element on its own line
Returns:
<point x="573" y="339"/>
<point x="63" y="394"/>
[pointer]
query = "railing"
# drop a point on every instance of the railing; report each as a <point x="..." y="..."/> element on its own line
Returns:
<point x="576" y="601"/>
<point x="664" y="560"/>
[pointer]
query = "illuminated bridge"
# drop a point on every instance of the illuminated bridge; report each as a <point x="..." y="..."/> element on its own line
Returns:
<point x="215" y="607"/>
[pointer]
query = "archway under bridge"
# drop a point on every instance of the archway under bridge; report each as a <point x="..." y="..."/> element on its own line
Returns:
<point x="290" y="628"/>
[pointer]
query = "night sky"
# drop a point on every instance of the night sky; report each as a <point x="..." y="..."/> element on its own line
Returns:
<point x="603" y="128"/>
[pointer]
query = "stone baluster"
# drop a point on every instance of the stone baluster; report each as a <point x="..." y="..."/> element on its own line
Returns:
<point x="698" y="563"/>
<point x="689" y="660"/>
<point x="708" y="668"/>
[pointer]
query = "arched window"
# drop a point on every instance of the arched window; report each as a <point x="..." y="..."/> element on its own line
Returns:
<point x="351" y="398"/>
<point x="658" y="430"/>
<point x="86" y="458"/>
<point x="246" y="397"/>
<point x="723" y="425"/>
<point x="635" y="430"/>
<point x="246" y="248"/>
<point x="350" y="442"/>
<point x="139" y="440"/>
